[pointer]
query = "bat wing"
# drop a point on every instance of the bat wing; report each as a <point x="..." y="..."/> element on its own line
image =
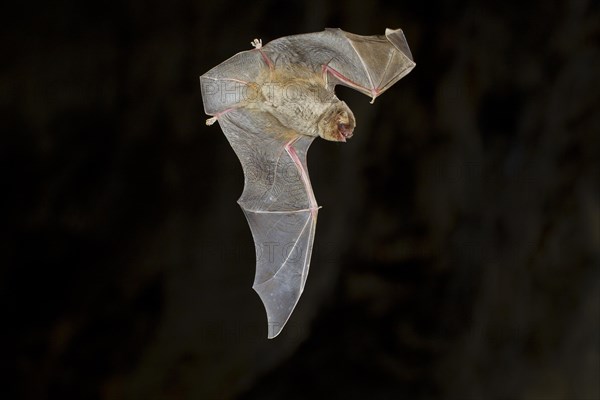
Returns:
<point x="369" y="64"/>
<point x="279" y="205"/>
<point x="231" y="83"/>
<point x="278" y="200"/>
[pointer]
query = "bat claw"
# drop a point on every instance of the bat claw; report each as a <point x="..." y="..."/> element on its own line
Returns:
<point x="256" y="43"/>
<point x="211" y="121"/>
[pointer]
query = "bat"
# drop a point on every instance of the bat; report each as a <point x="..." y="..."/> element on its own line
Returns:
<point x="271" y="102"/>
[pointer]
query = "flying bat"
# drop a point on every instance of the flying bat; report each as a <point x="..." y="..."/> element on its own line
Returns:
<point x="271" y="102"/>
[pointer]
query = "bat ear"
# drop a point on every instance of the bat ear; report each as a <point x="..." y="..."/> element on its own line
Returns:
<point x="396" y="37"/>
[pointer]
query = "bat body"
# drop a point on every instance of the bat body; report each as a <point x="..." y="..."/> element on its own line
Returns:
<point x="272" y="102"/>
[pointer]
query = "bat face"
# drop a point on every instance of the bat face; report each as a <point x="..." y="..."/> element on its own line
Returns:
<point x="271" y="102"/>
<point x="337" y="123"/>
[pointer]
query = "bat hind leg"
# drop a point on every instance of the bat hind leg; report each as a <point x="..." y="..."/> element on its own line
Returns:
<point x="215" y="117"/>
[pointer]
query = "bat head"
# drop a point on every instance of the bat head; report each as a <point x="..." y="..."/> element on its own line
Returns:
<point x="337" y="123"/>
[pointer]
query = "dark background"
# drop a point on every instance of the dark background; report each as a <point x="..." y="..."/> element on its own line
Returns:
<point x="457" y="251"/>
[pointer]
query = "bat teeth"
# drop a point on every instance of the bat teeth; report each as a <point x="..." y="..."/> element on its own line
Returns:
<point x="345" y="131"/>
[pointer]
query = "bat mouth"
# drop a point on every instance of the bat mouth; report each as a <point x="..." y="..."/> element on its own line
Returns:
<point x="344" y="131"/>
<point x="336" y="123"/>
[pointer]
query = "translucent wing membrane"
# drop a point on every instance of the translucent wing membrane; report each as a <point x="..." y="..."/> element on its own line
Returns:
<point x="279" y="206"/>
<point x="278" y="200"/>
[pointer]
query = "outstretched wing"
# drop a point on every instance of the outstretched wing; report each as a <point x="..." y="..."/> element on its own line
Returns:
<point x="278" y="200"/>
<point x="279" y="205"/>
<point x="369" y="64"/>
<point x="230" y="83"/>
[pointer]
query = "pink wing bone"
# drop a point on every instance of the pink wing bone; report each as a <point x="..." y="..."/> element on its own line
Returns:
<point x="373" y="92"/>
<point x="216" y="116"/>
<point x="289" y="148"/>
<point x="220" y="107"/>
<point x="367" y="70"/>
<point x="257" y="43"/>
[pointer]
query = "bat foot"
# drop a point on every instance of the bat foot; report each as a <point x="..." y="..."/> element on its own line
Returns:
<point x="214" y="119"/>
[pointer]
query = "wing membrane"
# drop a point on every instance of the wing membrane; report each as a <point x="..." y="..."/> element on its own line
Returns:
<point x="369" y="64"/>
<point x="279" y="207"/>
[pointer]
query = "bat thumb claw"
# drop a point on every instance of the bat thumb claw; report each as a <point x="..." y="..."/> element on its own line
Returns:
<point x="211" y="121"/>
<point x="256" y="43"/>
